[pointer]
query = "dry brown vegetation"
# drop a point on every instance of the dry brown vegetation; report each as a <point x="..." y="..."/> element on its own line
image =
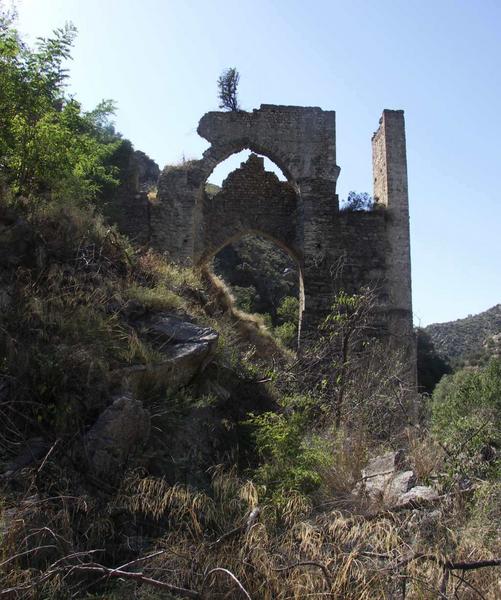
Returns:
<point x="208" y="551"/>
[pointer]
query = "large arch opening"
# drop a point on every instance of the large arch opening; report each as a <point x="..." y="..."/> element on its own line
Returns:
<point x="226" y="166"/>
<point x="265" y="279"/>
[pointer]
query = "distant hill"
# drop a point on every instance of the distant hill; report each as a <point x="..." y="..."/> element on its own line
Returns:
<point x="468" y="341"/>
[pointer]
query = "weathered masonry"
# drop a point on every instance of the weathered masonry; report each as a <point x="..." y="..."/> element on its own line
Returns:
<point x="335" y="250"/>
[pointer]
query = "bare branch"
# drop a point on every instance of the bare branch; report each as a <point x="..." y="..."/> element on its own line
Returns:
<point x="230" y="574"/>
<point x="308" y="563"/>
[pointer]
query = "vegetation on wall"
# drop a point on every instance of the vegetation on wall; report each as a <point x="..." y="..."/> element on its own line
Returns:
<point x="356" y="201"/>
<point x="227" y="89"/>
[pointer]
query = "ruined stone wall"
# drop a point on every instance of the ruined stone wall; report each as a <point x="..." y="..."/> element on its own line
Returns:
<point x="300" y="140"/>
<point x="129" y="206"/>
<point x="251" y="200"/>
<point x="335" y="250"/>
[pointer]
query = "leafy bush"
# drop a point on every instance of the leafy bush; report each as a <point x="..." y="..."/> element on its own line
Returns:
<point x="357" y="202"/>
<point x="291" y="457"/>
<point x="288" y="311"/>
<point x="287" y="334"/>
<point x="466" y="417"/>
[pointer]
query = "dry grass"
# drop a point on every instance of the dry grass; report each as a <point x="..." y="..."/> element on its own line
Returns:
<point x="425" y="454"/>
<point x="291" y="554"/>
<point x="249" y="329"/>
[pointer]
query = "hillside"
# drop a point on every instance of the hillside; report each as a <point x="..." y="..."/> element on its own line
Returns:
<point x="468" y="340"/>
<point x="158" y="442"/>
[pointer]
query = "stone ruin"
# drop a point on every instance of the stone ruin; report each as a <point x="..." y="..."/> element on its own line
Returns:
<point x="334" y="249"/>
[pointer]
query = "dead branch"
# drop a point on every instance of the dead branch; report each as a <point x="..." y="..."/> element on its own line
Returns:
<point x="451" y="565"/>
<point x="137" y="576"/>
<point x="308" y="563"/>
<point x="226" y="572"/>
<point x="467" y="583"/>
<point x="251" y="520"/>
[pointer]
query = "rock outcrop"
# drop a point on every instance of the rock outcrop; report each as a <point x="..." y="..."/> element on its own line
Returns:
<point x="187" y="348"/>
<point x="388" y="480"/>
<point x="120" y="431"/>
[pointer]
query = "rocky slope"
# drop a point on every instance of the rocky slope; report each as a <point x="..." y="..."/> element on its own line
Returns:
<point x="470" y="340"/>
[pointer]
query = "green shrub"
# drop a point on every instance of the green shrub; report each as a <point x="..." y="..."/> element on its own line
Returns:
<point x="48" y="145"/>
<point x="288" y="311"/>
<point x="245" y="297"/>
<point x="466" y="417"/>
<point x="292" y="458"/>
<point x="287" y="334"/>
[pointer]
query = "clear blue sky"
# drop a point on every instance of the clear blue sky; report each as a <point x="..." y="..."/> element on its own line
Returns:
<point x="438" y="60"/>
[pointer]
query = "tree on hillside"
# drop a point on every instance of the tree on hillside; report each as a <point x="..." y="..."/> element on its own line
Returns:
<point x="227" y="85"/>
<point x="48" y="144"/>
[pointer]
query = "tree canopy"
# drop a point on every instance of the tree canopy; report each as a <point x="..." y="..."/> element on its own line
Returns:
<point x="227" y="85"/>
<point x="48" y="145"/>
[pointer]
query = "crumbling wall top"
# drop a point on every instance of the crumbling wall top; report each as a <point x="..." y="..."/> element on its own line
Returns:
<point x="300" y="140"/>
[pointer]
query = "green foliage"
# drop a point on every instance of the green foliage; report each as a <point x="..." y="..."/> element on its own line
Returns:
<point x="287" y="334"/>
<point x="466" y="417"/>
<point x="288" y="311"/>
<point x="291" y="456"/>
<point x="48" y="145"/>
<point x="430" y="365"/>
<point x="244" y="297"/>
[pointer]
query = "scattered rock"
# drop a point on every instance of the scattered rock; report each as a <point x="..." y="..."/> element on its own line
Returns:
<point x="379" y="472"/>
<point x="168" y="329"/>
<point x="188" y="349"/>
<point x="418" y="494"/>
<point x="120" y="430"/>
<point x="34" y="450"/>
<point x="398" y="485"/>
<point x="385" y="463"/>
<point x="388" y="479"/>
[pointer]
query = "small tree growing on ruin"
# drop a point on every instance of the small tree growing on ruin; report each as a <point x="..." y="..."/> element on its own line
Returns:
<point x="358" y="202"/>
<point x="227" y="85"/>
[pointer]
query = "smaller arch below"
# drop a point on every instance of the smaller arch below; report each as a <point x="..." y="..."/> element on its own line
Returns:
<point x="266" y="278"/>
<point x="211" y="251"/>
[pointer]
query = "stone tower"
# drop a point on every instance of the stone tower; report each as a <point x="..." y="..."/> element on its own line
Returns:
<point x="389" y="161"/>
